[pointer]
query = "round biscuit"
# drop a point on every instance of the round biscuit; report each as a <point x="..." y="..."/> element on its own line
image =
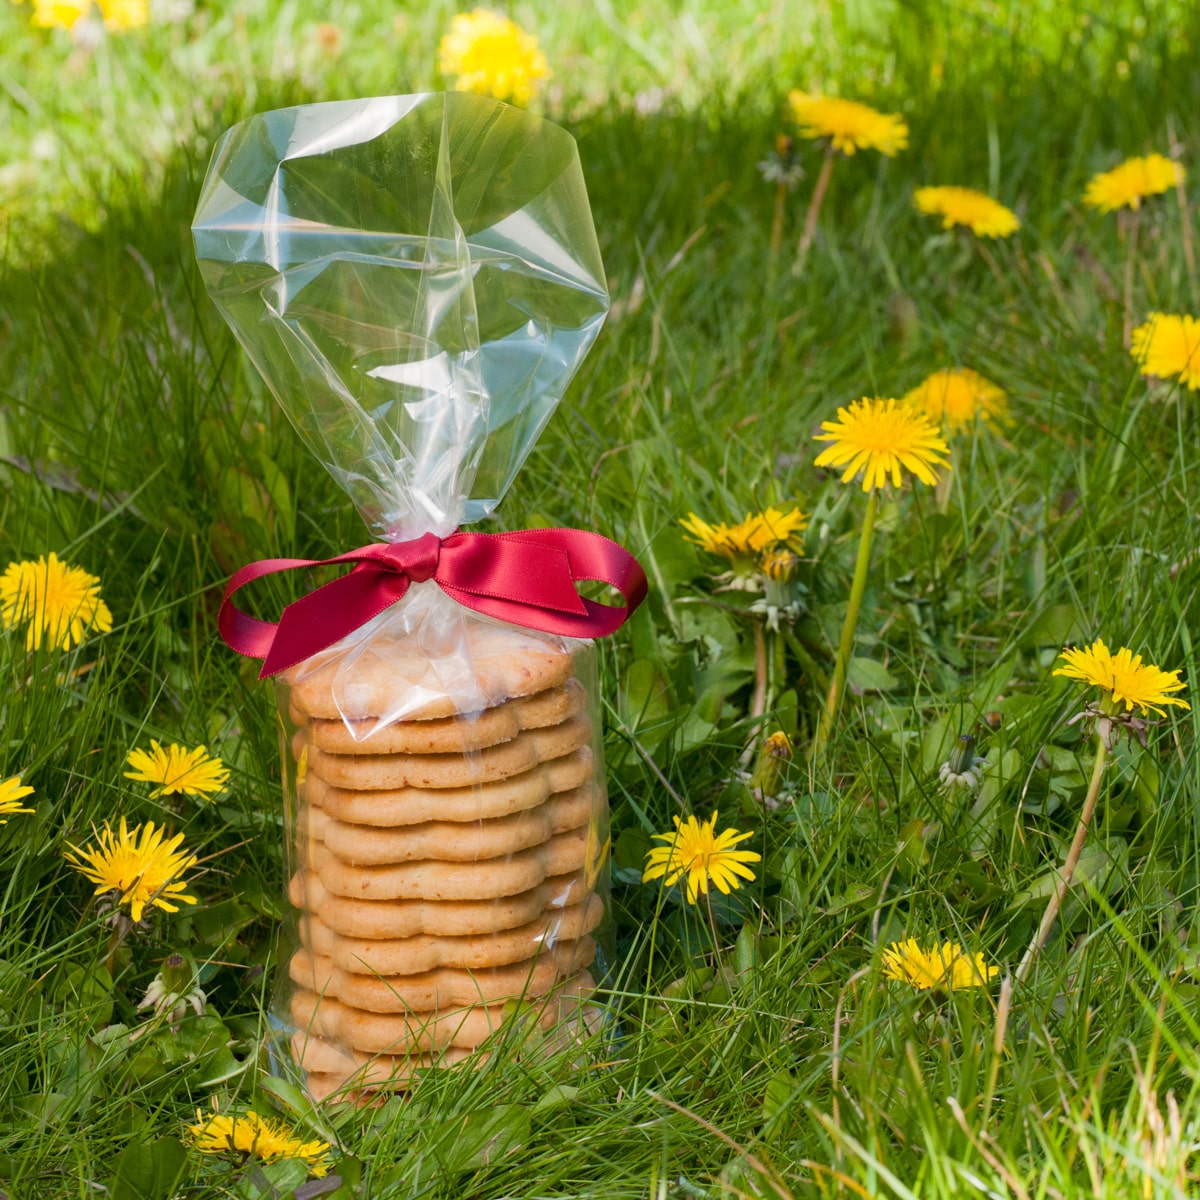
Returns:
<point x="413" y="955"/>
<point x="449" y="735"/>
<point x="404" y="1033"/>
<point x="505" y="662"/>
<point x="444" y="987"/>
<point x="387" y="919"/>
<point x="323" y="1057"/>
<point x="371" y="845"/>
<point x="415" y="806"/>
<point x="386" y="772"/>
<point x="434" y="880"/>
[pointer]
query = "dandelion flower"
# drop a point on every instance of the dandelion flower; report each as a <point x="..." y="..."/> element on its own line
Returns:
<point x="1127" y="185"/>
<point x="139" y="865"/>
<point x="487" y="53"/>
<point x="1125" y="678"/>
<point x="121" y="15"/>
<point x="12" y="792"/>
<point x="1168" y="346"/>
<point x="59" y="14"/>
<point x="59" y="603"/>
<point x="749" y="538"/>
<point x="957" y="397"/>
<point x="882" y="438"/>
<point x="848" y="125"/>
<point x="258" y="1137"/>
<point x="178" y="771"/>
<point x="946" y="967"/>
<point x="696" y="850"/>
<point x="982" y="215"/>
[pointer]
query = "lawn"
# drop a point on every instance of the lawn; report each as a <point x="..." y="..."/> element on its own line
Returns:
<point x="757" y="1044"/>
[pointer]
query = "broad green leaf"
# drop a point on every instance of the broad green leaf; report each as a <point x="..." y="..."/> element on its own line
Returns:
<point x="476" y="1139"/>
<point x="148" y="1170"/>
<point x="867" y="675"/>
<point x="561" y="1095"/>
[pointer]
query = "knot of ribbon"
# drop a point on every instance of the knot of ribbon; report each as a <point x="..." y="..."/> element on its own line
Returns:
<point x="526" y="578"/>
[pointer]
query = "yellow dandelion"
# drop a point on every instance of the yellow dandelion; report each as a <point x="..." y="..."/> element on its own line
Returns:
<point x="848" y="125"/>
<point x="956" y="397"/>
<point x="696" y="850"/>
<point x="259" y="1137"/>
<point x="138" y="864"/>
<point x="59" y="603"/>
<point x="1168" y="346"/>
<point x="882" y="439"/>
<point x="1125" y="678"/>
<point x="178" y="771"/>
<point x="946" y="967"/>
<point x="12" y="792"/>
<point x="1136" y="179"/>
<point x="757" y="533"/>
<point x="59" y="14"/>
<point x="487" y="53"/>
<point x="982" y="215"/>
<point x="122" y="15"/>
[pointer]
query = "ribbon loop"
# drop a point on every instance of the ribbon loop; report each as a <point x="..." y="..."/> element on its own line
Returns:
<point x="527" y="578"/>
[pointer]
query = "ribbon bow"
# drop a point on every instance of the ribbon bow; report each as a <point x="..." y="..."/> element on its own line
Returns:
<point x="526" y="578"/>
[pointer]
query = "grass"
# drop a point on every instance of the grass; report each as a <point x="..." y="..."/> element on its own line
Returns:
<point x="773" y="1060"/>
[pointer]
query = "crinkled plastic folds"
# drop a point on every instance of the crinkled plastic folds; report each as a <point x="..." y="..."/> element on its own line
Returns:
<point x="417" y="279"/>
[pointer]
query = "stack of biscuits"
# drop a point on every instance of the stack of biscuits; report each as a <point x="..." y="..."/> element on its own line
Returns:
<point x="446" y="862"/>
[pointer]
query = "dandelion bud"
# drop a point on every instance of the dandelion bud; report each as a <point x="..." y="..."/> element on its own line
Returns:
<point x="775" y="754"/>
<point x="173" y="990"/>
<point x="963" y="769"/>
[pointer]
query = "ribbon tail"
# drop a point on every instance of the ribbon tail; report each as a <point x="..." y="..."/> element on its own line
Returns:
<point x="316" y="621"/>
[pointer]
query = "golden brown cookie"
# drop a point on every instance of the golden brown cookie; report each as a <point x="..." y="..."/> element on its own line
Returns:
<point x="387" y="772"/>
<point x="443" y="987"/>
<point x="379" y="919"/>
<point x="406" y="1033"/>
<point x="505" y="662"/>
<point x="413" y="955"/>
<point x="414" y="806"/>
<point x="323" y="1057"/>
<point x="371" y="845"/>
<point x="449" y="735"/>
<point x="433" y="880"/>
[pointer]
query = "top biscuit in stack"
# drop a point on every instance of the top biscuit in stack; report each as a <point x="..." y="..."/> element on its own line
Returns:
<point x="454" y="836"/>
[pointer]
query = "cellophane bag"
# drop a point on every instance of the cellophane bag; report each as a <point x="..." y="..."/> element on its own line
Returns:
<point x="417" y="279"/>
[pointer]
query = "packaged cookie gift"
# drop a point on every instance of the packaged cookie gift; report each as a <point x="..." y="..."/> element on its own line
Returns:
<point x="417" y="279"/>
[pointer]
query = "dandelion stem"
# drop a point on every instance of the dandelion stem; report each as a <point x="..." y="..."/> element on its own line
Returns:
<point x="814" y="211"/>
<point x="1069" y="864"/>
<point x="1185" y="217"/>
<point x="1130" y="257"/>
<point x="115" y="938"/>
<point x="758" y="705"/>
<point x="838" y="683"/>
<point x="776" y="233"/>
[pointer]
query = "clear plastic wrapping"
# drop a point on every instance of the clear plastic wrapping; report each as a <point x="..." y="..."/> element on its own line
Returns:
<point x="417" y="279"/>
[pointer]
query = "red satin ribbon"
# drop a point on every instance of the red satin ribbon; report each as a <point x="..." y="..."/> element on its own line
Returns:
<point x="527" y="578"/>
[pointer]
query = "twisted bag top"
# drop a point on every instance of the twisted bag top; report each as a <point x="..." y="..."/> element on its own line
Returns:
<point x="417" y="279"/>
